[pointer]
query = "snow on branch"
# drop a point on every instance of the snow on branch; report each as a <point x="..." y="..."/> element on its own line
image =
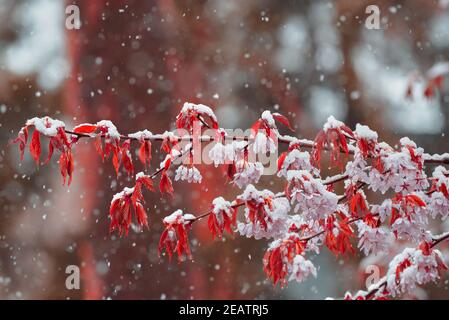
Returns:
<point x="301" y="219"/>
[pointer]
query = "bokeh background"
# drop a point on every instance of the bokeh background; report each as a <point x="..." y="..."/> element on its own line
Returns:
<point x="135" y="62"/>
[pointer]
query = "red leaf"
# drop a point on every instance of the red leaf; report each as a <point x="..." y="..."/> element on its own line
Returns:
<point x="50" y="151"/>
<point x="165" y="185"/>
<point x="142" y="218"/>
<point x="343" y="143"/>
<point x="127" y="163"/>
<point x="416" y="200"/>
<point x="338" y="243"/>
<point x="281" y="160"/>
<point x="212" y="225"/>
<point x="114" y="206"/>
<point x="163" y="243"/>
<point x="168" y="143"/>
<point x="66" y="166"/>
<point x="70" y="166"/>
<point x="371" y="220"/>
<point x="255" y="127"/>
<point x="284" y="120"/>
<point x="276" y="259"/>
<point x="98" y="147"/>
<point x="145" y="152"/>
<point x="320" y="140"/>
<point x="35" y="146"/>
<point x="147" y="182"/>
<point x="334" y="139"/>
<point x="394" y="215"/>
<point x="22" y="139"/>
<point x="415" y="158"/>
<point x="85" y="128"/>
<point x="357" y="205"/>
<point x="62" y="137"/>
<point x="259" y="212"/>
<point x="216" y="227"/>
<point x="174" y="238"/>
<point x="400" y="268"/>
<point x="126" y="157"/>
<point x="444" y="190"/>
<point x="115" y="162"/>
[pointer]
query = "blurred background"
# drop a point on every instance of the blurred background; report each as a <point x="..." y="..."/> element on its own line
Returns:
<point x="135" y="62"/>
